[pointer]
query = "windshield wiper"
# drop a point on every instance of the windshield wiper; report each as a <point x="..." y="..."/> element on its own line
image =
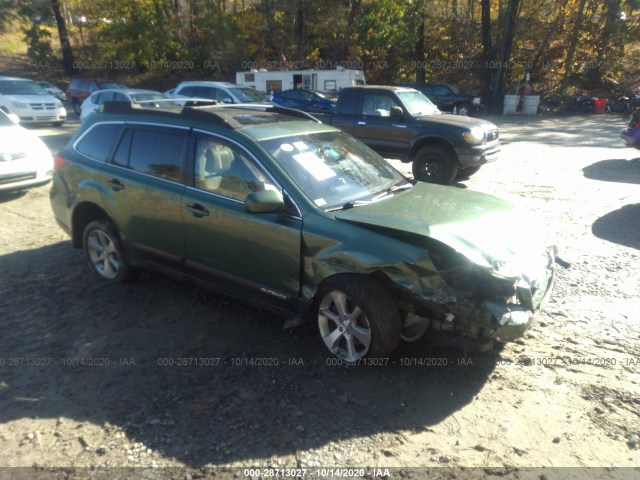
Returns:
<point x="380" y="196"/>
<point x="390" y="190"/>
<point x="348" y="205"/>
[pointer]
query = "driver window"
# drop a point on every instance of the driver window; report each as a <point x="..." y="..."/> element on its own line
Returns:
<point x="378" y="105"/>
<point x="226" y="170"/>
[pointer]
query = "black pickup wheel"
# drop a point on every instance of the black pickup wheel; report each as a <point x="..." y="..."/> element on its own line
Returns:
<point x="435" y="164"/>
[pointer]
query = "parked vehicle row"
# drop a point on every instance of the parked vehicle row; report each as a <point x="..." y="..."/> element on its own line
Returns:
<point x="30" y="102"/>
<point x="129" y="95"/>
<point x="270" y="205"/>
<point x="80" y="88"/>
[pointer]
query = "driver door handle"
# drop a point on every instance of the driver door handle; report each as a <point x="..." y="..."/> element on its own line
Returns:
<point x="197" y="210"/>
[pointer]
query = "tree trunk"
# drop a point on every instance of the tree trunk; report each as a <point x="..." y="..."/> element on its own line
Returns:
<point x="568" y="64"/>
<point x="65" y="45"/>
<point x="420" y="71"/>
<point x="510" y="20"/>
<point x="346" y="45"/>
<point x="555" y="29"/>
<point x="487" y="48"/>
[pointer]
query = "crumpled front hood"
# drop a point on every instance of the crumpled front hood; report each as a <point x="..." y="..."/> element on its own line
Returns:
<point x="487" y="230"/>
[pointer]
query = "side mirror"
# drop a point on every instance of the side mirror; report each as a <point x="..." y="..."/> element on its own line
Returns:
<point x="227" y="100"/>
<point x="397" y="112"/>
<point x="264" y="201"/>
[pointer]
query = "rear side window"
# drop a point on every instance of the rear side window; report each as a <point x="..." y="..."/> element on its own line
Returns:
<point x="187" y="91"/>
<point x="98" y="142"/>
<point x="157" y="153"/>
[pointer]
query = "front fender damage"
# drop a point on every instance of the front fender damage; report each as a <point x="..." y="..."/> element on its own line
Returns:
<point x="428" y="300"/>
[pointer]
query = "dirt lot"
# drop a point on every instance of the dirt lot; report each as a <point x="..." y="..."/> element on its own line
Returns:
<point x="91" y="375"/>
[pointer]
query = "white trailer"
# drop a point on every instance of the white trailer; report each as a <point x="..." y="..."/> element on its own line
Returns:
<point x="269" y="81"/>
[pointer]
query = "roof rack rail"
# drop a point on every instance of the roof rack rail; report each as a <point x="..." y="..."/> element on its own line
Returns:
<point x="200" y="109"/>
<point x="193" y="109"/>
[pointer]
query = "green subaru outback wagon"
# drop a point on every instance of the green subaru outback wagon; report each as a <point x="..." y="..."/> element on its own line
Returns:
<point x="273" y="207"/>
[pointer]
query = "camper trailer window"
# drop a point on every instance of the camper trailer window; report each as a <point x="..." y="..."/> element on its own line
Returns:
<point x="274" y="85"/>
<point x="330" y="85"/>
<point x="249" y="77"/>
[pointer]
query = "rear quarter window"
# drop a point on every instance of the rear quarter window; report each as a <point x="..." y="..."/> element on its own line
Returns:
<point x="158" y="153"/>
<point x="98" y="142"/>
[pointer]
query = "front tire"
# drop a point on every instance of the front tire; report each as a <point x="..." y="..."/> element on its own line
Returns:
<point x="467" y="172"/>
<point x="435" y="164"/>
<point x="357" y="318"/>
<point x="103" y="249"/>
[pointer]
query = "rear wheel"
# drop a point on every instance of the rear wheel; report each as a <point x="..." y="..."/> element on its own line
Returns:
<point x="76" y="106"/>
<point x="435" y="164"/>
<point x="103" y="249"/>
<point x="357" y="318"/>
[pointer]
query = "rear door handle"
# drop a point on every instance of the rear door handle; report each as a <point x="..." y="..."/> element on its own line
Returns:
<point x="197" y="210"/>
<point x="116" y="184"/>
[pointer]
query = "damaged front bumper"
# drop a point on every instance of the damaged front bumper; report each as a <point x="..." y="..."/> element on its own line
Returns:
<point x="506" y="321"/>
<point x="491" y="320"/>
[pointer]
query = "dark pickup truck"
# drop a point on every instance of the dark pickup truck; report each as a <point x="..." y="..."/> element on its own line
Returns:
<point x="399" y="122"/>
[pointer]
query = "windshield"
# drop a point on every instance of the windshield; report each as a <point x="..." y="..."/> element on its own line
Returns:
<point x="416" y="103"/>
<point x="21" y="87"/>
<point x="333" y="168"/>
<point x="329" y="96"/>
<point x="249" y="95"/>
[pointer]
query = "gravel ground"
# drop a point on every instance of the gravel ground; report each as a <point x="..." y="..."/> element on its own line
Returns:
<point x="103" y="376"/>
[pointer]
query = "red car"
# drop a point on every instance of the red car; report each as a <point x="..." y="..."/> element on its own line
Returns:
<point x="81" y="88"/>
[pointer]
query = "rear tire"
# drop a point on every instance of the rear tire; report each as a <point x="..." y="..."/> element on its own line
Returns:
<point x="357" y="318"/>
<point x="104" y="252"/>
<point x="76" y="106"/>
<point x="435" y="164"/>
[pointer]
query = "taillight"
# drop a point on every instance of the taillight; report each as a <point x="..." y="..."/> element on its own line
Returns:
<point x="58" y="161"/>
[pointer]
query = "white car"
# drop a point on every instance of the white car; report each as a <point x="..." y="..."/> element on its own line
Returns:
<point x="30" y="102"/>
<point x="25" y="161"/>
<point x="131" y="95"/>
<point x="224" y="92"/>
<point x="52" y="89"/>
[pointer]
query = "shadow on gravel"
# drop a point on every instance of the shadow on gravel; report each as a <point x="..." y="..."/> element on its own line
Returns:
<point x="618" y="170"/>
<point x="11" y="196"/>
<point x="614" y="226"/>
<point x="195" y="376"/>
